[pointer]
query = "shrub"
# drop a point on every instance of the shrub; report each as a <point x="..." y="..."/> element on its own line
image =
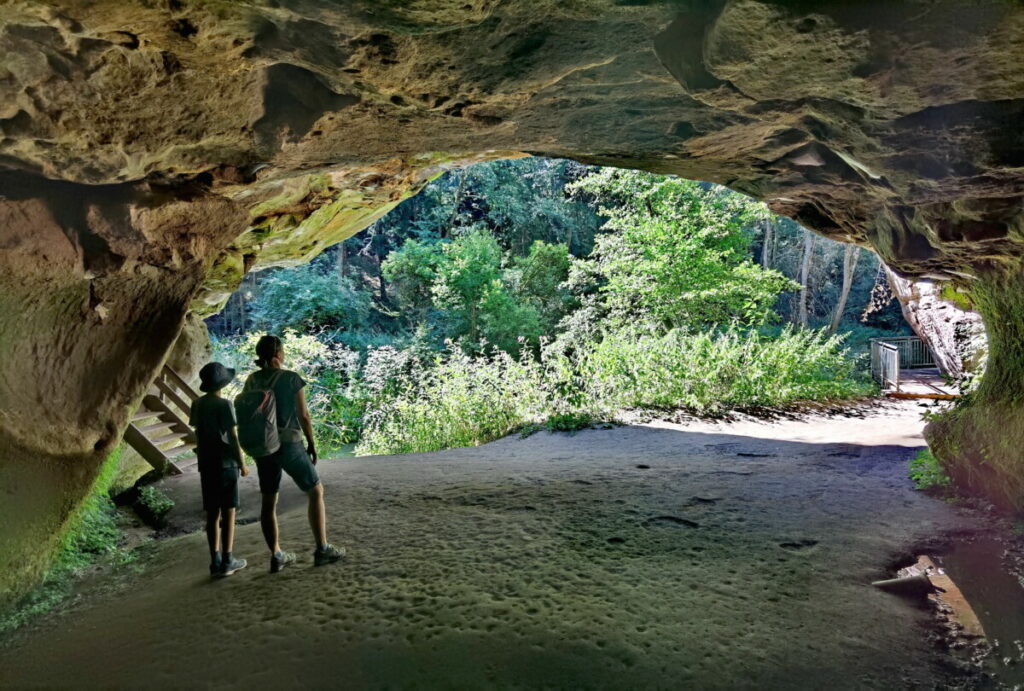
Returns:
<point x="459" y="401"/>
<point x="153" y="506"/>
<point x="462" y="400"/>
<point x="709" y="372"/>
<point x="926" y="472"/>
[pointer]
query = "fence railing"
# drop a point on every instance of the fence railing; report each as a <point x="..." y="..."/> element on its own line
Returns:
<point x="890" y="355"/>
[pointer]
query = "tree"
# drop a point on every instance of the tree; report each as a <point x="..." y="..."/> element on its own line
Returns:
<point x="310" y="296"/>
<point x="850" y="255"/>
<point x="805" y="272"/>
<point x="678" y="254"/>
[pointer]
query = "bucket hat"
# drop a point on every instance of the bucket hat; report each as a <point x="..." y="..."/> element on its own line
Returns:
<point x="215" y="376"/>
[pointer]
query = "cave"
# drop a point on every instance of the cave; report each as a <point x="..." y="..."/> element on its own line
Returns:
<point x="153" y="153"/>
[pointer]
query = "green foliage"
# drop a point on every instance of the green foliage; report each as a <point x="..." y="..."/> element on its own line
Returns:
<point x="461" y="400"/>
<point x="489" y="311"/>
<point x="709" y="372"/>
<point x="92" y="535"/>
<point x="926" y="472"/>
<point x="413" y="270"/>
<point x="156" y="502"/>
<point x="679" y="256"/>
<point x="310" y="296"/>
<point x="465" y="284"/>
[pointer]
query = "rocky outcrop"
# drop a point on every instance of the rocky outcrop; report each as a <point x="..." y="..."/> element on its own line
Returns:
<point x="155" y="151"/>
<point x="945" y="319"/>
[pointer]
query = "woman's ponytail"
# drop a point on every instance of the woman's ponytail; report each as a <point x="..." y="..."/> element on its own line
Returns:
<point x="267" y="349"/>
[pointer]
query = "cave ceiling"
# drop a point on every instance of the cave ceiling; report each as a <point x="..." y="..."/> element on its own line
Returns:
<point x="895" y="125"/>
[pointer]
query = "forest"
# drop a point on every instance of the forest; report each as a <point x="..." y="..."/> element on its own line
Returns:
<point x="545" y="293"/>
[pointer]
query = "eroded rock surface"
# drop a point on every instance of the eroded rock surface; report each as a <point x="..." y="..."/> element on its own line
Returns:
<point x="154" y="147"/>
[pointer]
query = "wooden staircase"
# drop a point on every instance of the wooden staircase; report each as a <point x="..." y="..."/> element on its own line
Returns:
<point x="159" y="430"/>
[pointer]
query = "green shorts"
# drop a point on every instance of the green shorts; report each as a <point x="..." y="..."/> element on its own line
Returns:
<point x="292" y="459"/>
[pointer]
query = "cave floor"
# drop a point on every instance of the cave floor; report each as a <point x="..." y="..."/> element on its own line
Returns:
<point x="705" y="555"/>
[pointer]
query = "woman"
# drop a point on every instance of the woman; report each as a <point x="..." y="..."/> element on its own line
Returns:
<point x="293" y="423"/>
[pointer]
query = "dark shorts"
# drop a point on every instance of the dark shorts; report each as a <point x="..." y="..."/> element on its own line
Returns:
<point x="220" y="487"/>
<point x="292" y="459"/>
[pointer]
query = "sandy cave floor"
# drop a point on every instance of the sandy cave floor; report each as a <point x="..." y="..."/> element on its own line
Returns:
<point x="702" y="555"/>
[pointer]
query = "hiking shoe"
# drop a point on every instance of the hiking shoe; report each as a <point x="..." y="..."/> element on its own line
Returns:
<point x="215" y="568"/>
<point x="328" y="555"/>
<point x="229" y="567"/>
<point x="280" y="560"/>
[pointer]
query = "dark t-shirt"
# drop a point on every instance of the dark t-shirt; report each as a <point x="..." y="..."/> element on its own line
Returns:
<point x="212" y="418"/>
<point x="286" y="385"/>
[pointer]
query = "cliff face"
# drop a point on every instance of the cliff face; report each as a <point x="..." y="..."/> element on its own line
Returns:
<point x="153" y="151"/>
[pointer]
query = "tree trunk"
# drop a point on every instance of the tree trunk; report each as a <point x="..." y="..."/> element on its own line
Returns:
<point x="447" y="229"/>
<point x="342" y="257"/>
<point x="850" y="257"/>
<point x="383" y="288"/>
<point x="805" y="272"/>
<point x="767" y="251"/>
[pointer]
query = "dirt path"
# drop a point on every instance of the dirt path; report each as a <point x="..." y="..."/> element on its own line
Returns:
<point x="662" y="556"/>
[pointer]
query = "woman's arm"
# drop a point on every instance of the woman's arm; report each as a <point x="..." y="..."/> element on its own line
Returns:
<point x="307" y="423"/>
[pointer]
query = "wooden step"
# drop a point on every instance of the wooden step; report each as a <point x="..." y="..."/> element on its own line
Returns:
<point x="178" y="450"/>
<point x="143" y="414"/>
<point x="186" y="462"/>
<point x="149" y="429"/>
<point x="168" y="438"/>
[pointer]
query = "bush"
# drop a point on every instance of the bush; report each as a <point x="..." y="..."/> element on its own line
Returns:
<point x="926" y="472"/>
<point x="459" y="401"/>
<point x="153" y="506"/>
<point x="462" y="400"/>
<point x="710" y="373"/>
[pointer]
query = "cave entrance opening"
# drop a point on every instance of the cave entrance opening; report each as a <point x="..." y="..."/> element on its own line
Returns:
<point x="529" y="277"/>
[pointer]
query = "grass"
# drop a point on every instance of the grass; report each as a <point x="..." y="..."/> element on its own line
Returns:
<point x="464" y="401"/>
<point x="926" y="472"/>
<point x="92" y="536"/>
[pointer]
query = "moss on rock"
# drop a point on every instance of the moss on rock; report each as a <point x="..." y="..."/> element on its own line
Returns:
<point x="980" y="440"/>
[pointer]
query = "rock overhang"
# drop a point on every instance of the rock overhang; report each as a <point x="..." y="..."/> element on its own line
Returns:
<point x="155" y="150"/>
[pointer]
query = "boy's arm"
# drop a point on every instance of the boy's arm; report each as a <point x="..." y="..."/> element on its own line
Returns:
<point x="237" y="449"/>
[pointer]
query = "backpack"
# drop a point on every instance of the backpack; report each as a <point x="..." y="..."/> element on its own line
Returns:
<point x="256" y="408"/>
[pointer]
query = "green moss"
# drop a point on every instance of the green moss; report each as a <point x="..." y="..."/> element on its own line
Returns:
<point x="961" y="299"/>
<point x="93" y="534"/>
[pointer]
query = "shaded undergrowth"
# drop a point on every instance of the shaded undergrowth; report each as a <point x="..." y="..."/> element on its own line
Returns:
<point x="93" y="536"/>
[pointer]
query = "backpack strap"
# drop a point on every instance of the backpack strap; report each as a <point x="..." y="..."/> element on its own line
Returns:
<point x="250" y="381"/>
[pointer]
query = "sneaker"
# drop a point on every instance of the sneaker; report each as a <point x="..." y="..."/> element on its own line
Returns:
<point x="280" y="560"/>
<point x="229" y="567"/>
<point x="327" y="555"/>
<point x="215" y="568"/>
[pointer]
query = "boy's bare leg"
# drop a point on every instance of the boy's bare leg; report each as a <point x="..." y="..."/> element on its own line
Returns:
<point x="268" y="521"/>
<point x="228" y="530"/>
<point x="213" y="533"/>
<point x="318" y="515"/>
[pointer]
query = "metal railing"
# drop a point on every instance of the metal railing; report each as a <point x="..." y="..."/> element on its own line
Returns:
<point x="890" y="355"/>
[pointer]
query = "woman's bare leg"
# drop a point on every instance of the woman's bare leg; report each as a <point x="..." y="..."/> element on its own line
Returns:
<point x="268" y="521"/>
<point x="318" y="515"/>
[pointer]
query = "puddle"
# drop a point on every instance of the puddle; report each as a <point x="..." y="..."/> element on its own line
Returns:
<point x="997" y="598"/>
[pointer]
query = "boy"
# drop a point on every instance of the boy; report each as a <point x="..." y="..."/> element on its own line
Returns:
<point x="220" y="462"/>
